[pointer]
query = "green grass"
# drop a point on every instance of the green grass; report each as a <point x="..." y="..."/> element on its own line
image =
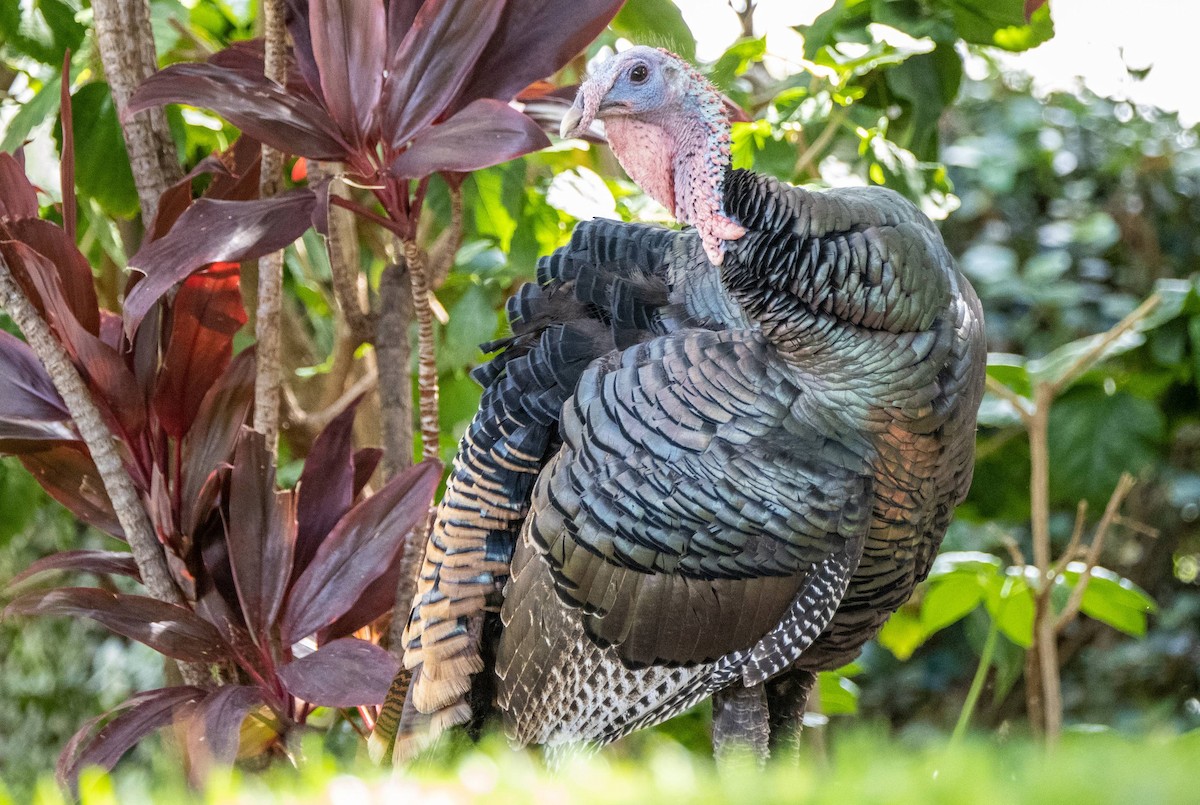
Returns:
<point x="1084" y="768"/>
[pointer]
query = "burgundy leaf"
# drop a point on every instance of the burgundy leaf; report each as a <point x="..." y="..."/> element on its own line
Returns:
<point x="400" y="16"/>
<point x="205" y="315"/>
<point x="377" y="599"/>
<point x="1031" y="6"/>
<point x="247" y="56"/>
<point x="433" y="63"/>
<point x="326" y="489"/>
<point x="67" y="473"/>
<point x="79" y="286"/>
<point x="297" y="25"/>
<point x="210" y="441"/>
<point x="30" y="408"/>
<point x="213" y="231"/>
<point x="485" y="133"/>
<point x="101" y="366"/>
<point x="18" y="199"/>
<point x="111" y="332"/>
<point x="345" y="673"/>
<point x="216" y="724"/>
<point x="534" y="39"/>
<point x="237" y="180"/>
<point x="167" y="628"/>
<point x="256" y="105"/>
<point x="349" y="40"/>
<point x="368" y="539"/>
<point x="366" y="459"/>
<point x="139" y="716"/>
<point x="262" y="534"/>
<point x="90" y="561"/>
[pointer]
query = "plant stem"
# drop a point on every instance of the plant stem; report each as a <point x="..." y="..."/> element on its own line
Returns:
<point x="126" y="503"/>
<point x="269" y="372"/>
<point x="126" y="44"/>
<point x="985" y="662"/>
<point x="427" y="377"/>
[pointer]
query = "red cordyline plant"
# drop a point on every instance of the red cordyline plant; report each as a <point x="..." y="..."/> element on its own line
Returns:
<point x="259" y="570"/>
<point x="396" y="91"/>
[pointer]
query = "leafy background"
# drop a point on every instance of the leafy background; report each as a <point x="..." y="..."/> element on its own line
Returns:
<point x="1065" y="211"/>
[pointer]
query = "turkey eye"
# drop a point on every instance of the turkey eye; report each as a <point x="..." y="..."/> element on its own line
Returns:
<point x="639" y="74"/>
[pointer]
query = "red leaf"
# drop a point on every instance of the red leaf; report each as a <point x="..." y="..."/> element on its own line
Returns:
<point x="167" y="628"/>
<point x="433" y="63"/>
<point x="267" y="112"/>
<point x="210" y="441"/>
<point x="534" y="39"/>
<point x="377" y="599"/>
<point x="400" y="16"/>
<point x="345" y="673"/>
<point x="18" y="199"/>
<point x="261" y="533"/>
<point x="349" y="39"/>
<point x="213" y="231"/>
<point x="359" y="549"/>
<point x="215" y="727"/>
<point x="326" y="489"/>
<point x="142" y="715"/>
<point x="485" y="133"/>
<point x="30" y="408"/>
<point x="67" y="473"/>
<point x="79" y="288"/>
<point x="90" y="561"/>
<point x="205" y="315"/>
<point x="300" y="170"/>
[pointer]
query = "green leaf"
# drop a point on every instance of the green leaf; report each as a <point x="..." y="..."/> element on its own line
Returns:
<point x="949" y="599"/>
<point x="1111" y="599"/>
<point x="42" y="30"/>
<point x="1094" y="437"/>
<point x="101" y="162"/>
<point x="41" y="106"/>
<point x="839" y="695"/>
<point x="953" y="562"/>
<point x="1010" y="602"/>
<point x="494" y="198"/>
<point x="656" y="21"/>
<point x="1056" y="364"/>
<point x="472" y="322"/>
<point x="902" y="634"/>
<point x="1000" y="23"/>
<point x="736" y="60"/>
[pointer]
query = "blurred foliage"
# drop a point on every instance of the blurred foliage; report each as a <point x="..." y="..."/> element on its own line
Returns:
<point x="1065" y="211"/>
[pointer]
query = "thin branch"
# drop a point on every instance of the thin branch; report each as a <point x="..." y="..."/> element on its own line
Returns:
<point x="317" y="420"/>
<point x="805" y="162"/>
<point x="1085" y="361"/>
<point x="1071" y="610"/>
<point x="427" y="377"/>
<point x="1072" y="548"/>
<point x="126" y="44"/>
<point x="393" y="355"/>
<point x="269" y="373"/>
<point x="126" y="502"/>
<point x="1011" y="397"/>
<point x="342" y="244"/>
<point x="1014" y="550"/>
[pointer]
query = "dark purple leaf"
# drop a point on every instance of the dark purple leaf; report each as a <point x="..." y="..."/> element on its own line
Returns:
<point x="210" y="441"/>
<point x="262" y="534"/>
<point x="485" y="133"/>
<point x="248" y="55"/>
<point x="297" y="25"/>
<point x="349" y="40"/>
<point x="215" y="726"/>
<point x="139" y="716"/>
<point x="400" y="16"/>
<point x="213" y="231"/>
<point x="359" y="549"/>
<point x="256" y="105"/>
<point x="205" y="315"/>
<point x="67" y="473"/>
<point x="79" y="286"/>
<point x="18" y="199"/>
<point x="111" y="332"/>
<point x="434" y="62"/>
<point x="534" y="39"/>
<point x="30" y="408"/>
<point x="167" y="628"/>
<point x="89" y="561"/>
<point x="345" y="673"/>
<point x="366" y="459"/>
<point x="377" y="599"/>
<point x="100" y="365"/>
<point x="326" y="489"/>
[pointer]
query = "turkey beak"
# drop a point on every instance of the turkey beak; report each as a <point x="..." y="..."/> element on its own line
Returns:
<point x="570" y="123"/>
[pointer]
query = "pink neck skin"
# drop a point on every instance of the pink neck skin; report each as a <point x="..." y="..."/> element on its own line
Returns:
<point x="682" y="165"/>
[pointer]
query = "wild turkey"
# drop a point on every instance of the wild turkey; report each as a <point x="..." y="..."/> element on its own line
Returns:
<point x="707" y="459"/>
